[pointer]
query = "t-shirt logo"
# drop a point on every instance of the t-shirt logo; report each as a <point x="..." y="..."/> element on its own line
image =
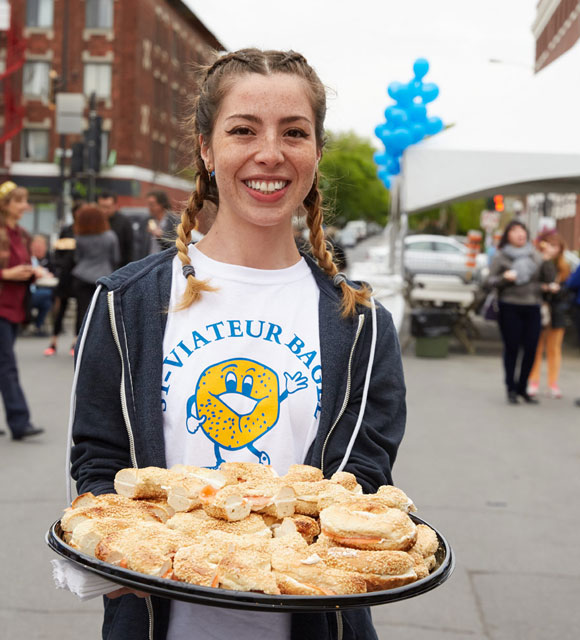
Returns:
<point x="236" y="402"/>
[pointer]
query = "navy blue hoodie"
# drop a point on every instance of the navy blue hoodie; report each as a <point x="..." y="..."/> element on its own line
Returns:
<point x="118" y="418"/>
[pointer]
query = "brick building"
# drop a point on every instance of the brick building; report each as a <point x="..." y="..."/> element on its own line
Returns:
<point x="556" y="29"/>
<point x="135" y="55"/>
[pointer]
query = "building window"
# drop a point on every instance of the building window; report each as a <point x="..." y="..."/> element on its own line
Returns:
<point x="98" y="79"/>
<point x="35" y="145"/>
<point x="39" y="13"/>
<point x="99" y="14"/>
<point x="35" y="79"/>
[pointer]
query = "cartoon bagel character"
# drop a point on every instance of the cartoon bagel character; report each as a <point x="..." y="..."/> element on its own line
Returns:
<point x="236" y="402"/>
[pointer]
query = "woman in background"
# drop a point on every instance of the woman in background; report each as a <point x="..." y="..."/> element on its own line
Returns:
<point x="16" y="274"/>
<point x="517" y="273"/>
<point x="552" y="247"/>
<point x="97" y="254"/>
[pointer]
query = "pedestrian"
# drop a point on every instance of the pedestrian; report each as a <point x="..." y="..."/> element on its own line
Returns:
<point x="162" y="223"/>
<point x="40" y="295"/>
<point x="16" y="274"/>
<point x="243" y="299"/>
<point x="96" y="255"/>
<point x="64" y="261"/>
<point x="555" y="304"/>
<point x="120" y="224"/>
<point x="573" y="284"/>
<point x="517" y="271"/>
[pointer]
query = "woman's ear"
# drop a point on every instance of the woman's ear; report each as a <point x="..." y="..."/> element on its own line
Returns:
<point x="206" y="153"/>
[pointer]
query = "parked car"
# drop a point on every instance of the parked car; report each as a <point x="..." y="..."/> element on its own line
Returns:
<point x="440" y="255"/>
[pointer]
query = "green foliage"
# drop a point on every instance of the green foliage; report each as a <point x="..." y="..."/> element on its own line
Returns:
<point x="349" y="183"/>
<point x="455" y="219"/>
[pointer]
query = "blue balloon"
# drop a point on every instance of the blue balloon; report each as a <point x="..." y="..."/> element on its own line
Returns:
<point x="429" y="91"/>
<point x="379" y="130"/>
<point x="393" y="89"/>
<point x="417" y="112"/>
<point x="383" y="173"/>
<point x="433" y="125"/>
<point x="402" y="139"/>
<point x="420" y="68"/>
<point x="380" y="158"/>
<point x="415" y="87"/>
<point x="417" y="132"/>
<point x="405" y="95"/>
<point x="393" y="166"/>
<point x="395" y="116"/>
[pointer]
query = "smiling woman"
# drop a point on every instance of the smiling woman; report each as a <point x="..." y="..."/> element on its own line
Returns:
<point x="240" y="348"/>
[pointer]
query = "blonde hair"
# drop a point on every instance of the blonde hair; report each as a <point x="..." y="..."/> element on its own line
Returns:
<point x="213" y="82"/>
<point x="11" y="192"/>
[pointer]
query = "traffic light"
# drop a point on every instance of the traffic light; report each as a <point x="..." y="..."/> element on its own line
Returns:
<point x="93" y="141"/>
<point x="77" y="161"/>
<point x="498" y="202"/>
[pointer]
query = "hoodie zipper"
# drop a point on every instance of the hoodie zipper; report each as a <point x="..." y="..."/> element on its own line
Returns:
<point x="126" y="418"/>
<point x="125" y="411"/>
<point x="361" y="320"/>
<point x="339" y="627"/>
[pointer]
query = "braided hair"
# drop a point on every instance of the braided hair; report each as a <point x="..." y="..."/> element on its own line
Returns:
<point x="213" y="82"/>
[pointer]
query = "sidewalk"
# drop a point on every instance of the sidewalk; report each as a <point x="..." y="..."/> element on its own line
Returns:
<point x="501" y="483"/>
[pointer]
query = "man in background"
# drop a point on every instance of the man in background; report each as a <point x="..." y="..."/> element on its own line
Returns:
<point x="107" y="203"/>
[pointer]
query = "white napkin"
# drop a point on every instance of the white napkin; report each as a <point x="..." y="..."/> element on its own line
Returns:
<point x="84" y="584"/>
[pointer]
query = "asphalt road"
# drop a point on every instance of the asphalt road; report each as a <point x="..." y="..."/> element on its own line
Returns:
<point x="501" y="483"/>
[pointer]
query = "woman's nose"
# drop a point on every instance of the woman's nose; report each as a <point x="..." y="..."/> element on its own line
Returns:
<point x="270" y="150"/>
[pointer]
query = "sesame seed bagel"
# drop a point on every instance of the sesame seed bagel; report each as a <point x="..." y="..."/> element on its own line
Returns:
<point x="369" y="526"/>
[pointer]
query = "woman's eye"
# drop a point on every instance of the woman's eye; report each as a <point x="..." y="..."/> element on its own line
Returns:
<point x="241" y="131"/>
<point x="297" y="133"/>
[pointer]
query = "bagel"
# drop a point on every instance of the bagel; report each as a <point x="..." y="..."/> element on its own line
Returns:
<point x="369" y="526"/>
<point x="227" y="503"/>
<point x="394" y="497"/>
<point x="309" y="493"/>
<point x="381" y="570"/>
<point x="424" y="549"/>
<point x="237" y="472"/>
<point x="347" y="480"/>
<point x="160" y="508"/>
<point x="306" y="526"/>
<point x="303" y="473"/>
<point x="302" y="573"/>
<point x="198" y="523"/>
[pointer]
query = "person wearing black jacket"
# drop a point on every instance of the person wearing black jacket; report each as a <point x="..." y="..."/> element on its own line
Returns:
<point x="107" y="203"/>
<point x="257" y="136"/>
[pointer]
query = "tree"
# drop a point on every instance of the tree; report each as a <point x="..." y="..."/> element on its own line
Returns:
<point x="454" y="219"/>
<point x="349" y="183"/>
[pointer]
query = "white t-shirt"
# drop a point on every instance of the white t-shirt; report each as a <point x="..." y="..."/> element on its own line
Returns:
<point x="241" y="381"/>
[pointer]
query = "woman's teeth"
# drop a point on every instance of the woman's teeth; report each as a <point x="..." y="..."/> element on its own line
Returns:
<point x="266" y="187"/>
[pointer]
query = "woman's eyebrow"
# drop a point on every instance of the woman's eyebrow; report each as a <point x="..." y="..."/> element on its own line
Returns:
<point x="257" y="120"/>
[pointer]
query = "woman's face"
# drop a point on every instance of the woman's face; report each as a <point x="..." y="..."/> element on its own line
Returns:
<point x="517" y="236"/>
<point x="16" y="207"/>
<point x="550" y="251"/>
<point x="263" y="150"/>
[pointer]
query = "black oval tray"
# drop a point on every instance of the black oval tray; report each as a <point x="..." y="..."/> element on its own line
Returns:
<point x="173" y="589"/>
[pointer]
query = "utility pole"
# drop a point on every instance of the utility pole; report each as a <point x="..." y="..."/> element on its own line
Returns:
<point x="93" y="146"/>
<point x="64" y="185"/>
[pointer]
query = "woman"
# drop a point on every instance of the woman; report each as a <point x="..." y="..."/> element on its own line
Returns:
<point x="16" y="274"/>
<point x="517" y="273"/>
<point x="64" y="257"/>
<point x="96" y="255"/>
<point x="243" y="299"/>
<point x="552" y="247"/>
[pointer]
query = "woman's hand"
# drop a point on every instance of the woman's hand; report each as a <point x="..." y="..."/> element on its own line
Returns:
<point x="125" y="591"/>
<point x="510" y="275"/>
<point x="553" y="287"/>
<point x="19" y="273"/>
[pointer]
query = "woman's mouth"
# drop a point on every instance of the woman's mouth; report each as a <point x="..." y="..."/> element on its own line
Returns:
<point x="266" y="186"/>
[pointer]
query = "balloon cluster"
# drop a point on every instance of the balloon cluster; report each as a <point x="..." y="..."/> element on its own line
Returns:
<point x="406" y="121"/>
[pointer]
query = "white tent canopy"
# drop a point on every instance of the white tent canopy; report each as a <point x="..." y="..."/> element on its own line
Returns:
<point x="527" y="141"/>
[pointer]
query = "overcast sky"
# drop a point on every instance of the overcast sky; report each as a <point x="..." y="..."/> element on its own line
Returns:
<point x="358" y="48"/>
